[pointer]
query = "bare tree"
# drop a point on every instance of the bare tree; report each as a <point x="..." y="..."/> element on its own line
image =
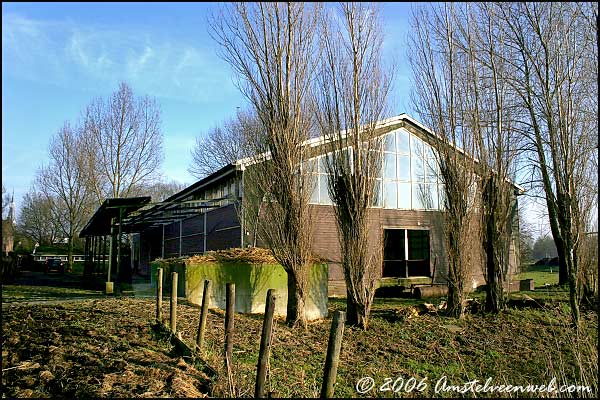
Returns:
<point x="64" y="181"/>
<point x="270" y="46"/>
<point x="441" y="87"/>
<point x="161" y="190"/>
<point x="223" y="145"/>
<point x="525" y="240"/>
<point x="491" y="115"/>
<point x="350" y="97"/>
<point x="556" y="75"/>
<point x="123" y="144"/>
<point x="37" y="218"/>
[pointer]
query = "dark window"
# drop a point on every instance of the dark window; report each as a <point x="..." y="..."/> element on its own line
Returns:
<point x="396" y="263"/>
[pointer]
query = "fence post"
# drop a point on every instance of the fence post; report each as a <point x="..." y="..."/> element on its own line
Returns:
<point x="174" y="303"/>
<point x="159" y="287"/>
<point x="265" y="345"/>
<point x="203" y="314"/>
<point x="333" y="353"/>
<point x="229" y="311"/>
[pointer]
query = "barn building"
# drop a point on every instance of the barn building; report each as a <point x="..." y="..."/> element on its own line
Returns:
<point x="206" y="215"/>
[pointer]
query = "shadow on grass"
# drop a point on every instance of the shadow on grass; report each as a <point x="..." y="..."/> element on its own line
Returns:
<point x="36" y="286"/>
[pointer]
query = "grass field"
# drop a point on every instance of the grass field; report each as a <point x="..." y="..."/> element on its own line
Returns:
<point x="541" y="274"/>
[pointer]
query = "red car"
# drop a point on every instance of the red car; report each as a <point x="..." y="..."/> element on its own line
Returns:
<point x="54" y="264"/>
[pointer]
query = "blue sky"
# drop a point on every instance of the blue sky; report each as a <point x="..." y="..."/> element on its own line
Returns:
<point x="57" y="57"/>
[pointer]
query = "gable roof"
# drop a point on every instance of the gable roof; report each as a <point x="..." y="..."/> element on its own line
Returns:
<point x="399" y="120"/>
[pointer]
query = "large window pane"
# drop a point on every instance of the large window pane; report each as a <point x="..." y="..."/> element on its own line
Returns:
<point x="418" y="245"/>
<point x="441" y="196"/>
<point x="323" y="190"/>
<point x="314" y="197"/>
<point x="418" y="172"/>
<point x="402" y="139"/>
<point x="322" y="165"/>
<point x="390" y="193"/>
<point x="417" y="196"/>
<point x="404" y="195"/>
<point x="429" y="152"/>
<point x="434" y="196"/>
<point x="428" y="196"/>
<point x="431" y="168"/>
<point x="389" y="166"/>
<point x="404" y="168"/>
<point x="416" y="146"/>
<point x="389" y="143"/>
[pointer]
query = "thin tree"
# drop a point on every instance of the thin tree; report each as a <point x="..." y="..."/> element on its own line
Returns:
<point x="223" y="145"/>
<point x="350" y="97"/>
<point x="123" y="144"/>
<point x="441" y="87"/>
<point x="491" y="116"/>
<point x="270" y="46"/>
<point x="556" y="81"/>
<point x="64" y="180"/>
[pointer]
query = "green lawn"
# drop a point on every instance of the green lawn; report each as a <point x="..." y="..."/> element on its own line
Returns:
<point x="541" y="274"/>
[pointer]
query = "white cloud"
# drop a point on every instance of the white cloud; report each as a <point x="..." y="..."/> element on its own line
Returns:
<point x="62" y="53"/>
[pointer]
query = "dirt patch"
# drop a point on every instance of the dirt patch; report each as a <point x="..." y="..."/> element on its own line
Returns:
<point x="95" y="348"/>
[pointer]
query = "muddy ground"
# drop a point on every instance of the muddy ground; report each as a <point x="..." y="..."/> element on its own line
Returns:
<point x="92" y="348"/>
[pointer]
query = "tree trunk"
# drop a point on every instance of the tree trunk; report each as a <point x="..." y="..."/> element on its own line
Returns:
<point x="70" y="252"/>
<point x="455" y="302"/>
<point x="563" y="268"/>
<point x="494" y="290"/>
<point x="356" y="314"/>
<point x="573" y="289"/>
<point x="296" y="313"/>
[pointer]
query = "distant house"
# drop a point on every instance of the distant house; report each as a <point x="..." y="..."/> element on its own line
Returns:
<point x="206" y="215"/>
<point x="42" y="257"/>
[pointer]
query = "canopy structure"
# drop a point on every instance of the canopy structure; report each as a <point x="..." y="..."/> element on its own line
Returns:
<point x="101" y="222"/>
<point x="99" y="227"/>
<point x="165" y="212"/>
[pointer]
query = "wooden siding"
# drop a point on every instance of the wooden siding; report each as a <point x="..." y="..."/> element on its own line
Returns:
<point x="326" y="242"/>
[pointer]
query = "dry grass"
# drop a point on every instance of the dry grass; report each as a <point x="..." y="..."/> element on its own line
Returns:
<point x="251" y="255"/>
<point x="509" y="348"/>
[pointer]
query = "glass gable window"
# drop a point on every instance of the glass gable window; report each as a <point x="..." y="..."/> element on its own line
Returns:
<point x="408" y="178"/>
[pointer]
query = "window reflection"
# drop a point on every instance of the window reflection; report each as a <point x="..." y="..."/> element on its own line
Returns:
<point x="416" y="146"/>
<point x="389" y="195"/>
<point x="418" y="173"/>
<point x="389" y="166"/>
<point x="404" y="195"/>
<point x="417" y="196"/>
<point x="389" y="143"/>
<point x="402" y="139"/>
<point x="323" y="190"/>
<point x="404" y="168"/>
